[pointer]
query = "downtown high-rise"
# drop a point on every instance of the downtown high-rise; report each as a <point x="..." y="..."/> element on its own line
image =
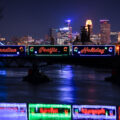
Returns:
<point x="105" y="29"/>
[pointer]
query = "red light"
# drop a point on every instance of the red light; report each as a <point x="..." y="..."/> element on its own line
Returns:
<point x="48" y="110"/>
<point x="66" y="112"/>
<point x="49" y="50"/>
<point x="93" y="50"/>
<point x="9" y="50"/>
<point x="93" y="111"/>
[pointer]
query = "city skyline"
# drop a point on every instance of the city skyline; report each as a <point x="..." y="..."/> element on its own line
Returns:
<point x="34" y="18"/>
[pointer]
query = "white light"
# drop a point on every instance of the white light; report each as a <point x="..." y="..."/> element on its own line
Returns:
<point x="18" y="53"/>
<point x="35" y="52"/>
<point x="64" y="29"/>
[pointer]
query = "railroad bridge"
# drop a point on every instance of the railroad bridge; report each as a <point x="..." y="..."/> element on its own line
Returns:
<point x="107" y="62"/>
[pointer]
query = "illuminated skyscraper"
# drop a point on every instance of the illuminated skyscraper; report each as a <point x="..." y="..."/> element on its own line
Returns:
<point x="105" y="29"/>
<point x="70" y="28"/>
<point x="89" y="24"/>
<point x="64" y="35"/>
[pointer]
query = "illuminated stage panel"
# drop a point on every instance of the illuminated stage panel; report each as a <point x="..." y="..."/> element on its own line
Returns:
<point x="49" y="112"/>
<point x="94" y="112"/>
<point x="49" y="50"/>
<point x="94" y="50"/>
<point x="13" y="111"/>
<point x="9" y="51"/>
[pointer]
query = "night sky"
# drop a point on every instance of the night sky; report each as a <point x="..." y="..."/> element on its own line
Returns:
<point x="35" y="17"/>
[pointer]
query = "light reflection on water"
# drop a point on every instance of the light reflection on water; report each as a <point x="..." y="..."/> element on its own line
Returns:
<point x="70" y="84"/>
<point x="3" y="93"/>
<point x="3" y="73"/>
<point x="67" y="90"/>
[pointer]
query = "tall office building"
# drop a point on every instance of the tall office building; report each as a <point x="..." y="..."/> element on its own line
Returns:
<point x="105" y="29"/>
<point x="64" y="35"/>
<point x="89" y="24"/>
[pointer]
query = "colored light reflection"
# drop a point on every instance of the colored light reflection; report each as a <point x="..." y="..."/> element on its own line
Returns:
<point x="94" y="112"/>
<point x="49" y="112"/>
<point x="13" y="111"/>
<point x="67" y="87"/>
<point x="3" y="87"/>
<point x="3" y="72"/>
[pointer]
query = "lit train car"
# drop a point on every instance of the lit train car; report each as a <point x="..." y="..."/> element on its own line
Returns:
<point x="12" y="51"/>
<point x="93" y="50"/>
<point x="55" y="50"/>
<point x="48" y="50"/>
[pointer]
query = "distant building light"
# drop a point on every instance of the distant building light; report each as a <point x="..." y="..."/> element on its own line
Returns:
<point x="2" y="39"/>
<point x="64" y="29"/>
<point x="68" y="21"/>
<point x="102" y="21"/>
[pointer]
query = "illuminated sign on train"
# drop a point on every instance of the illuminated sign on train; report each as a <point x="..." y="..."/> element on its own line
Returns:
<point x="94" y="50"/>
<point x="94" y="112"/>
<point x="13" y="111"/>
<point x="49" y="112"/>
<point x="49" y="50"/>
<point x="12" y="51"/>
